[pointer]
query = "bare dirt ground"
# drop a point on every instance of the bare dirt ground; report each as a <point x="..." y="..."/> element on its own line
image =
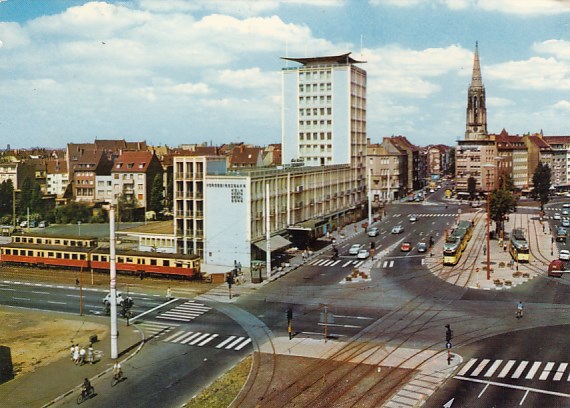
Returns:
<point x="36" y="339"/>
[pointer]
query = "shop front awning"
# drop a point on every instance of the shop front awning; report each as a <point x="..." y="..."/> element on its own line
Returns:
<point x="276" y="242"/>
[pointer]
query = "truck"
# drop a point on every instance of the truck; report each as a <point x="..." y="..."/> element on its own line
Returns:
<point x="556" y="268"/>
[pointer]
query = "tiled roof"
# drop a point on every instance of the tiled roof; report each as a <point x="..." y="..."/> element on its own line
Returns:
<point x="132" y="162"/>
<point x="56" y="166"/>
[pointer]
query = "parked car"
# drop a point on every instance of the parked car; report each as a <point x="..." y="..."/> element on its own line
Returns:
<point x="406" y="247"/>
<point x="565" y="223"/>
<point x="354" y="249"/>
<point x="43" y="224"/>
<point x="564" y="255"/>
<point x="33" y="224"/>
<point x="398" y="229"/>
<point x="422" y="247"/>
<point x="566" y="205"/>
<point x="24" y="224"/>
<point x="413" y="218"/>
<point x="363" y="254"/>
<point x="119" y="299"/>
<point x="565" y="212"/>
<point x="556" y="216"/>
<point x="373" y="231"/>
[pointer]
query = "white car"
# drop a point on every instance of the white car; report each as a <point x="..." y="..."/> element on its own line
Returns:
<point x="564" y="255"/>
<point x="566" y="205"/>
<point x="363" y="254"/>
<point x="120" y="299"/>
<point x="413" y="218"/>
<point x="398" y="229"/>
<point x="556" y="216"/>
<point x="373" y="232"/>
<point x="354" y="249"/>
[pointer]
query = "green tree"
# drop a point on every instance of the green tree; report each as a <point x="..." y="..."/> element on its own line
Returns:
<point x="25" y="196"/>
<point x="71" y="213"/>
<point x="156" y="195"/>
<point x="126" y="210"/>
<point x="541" y="182"/>
<point x="169" y="199"/>
<point x="500" y="204"/>
<point x="472" y="187"/>
<point x="6" y="197"/>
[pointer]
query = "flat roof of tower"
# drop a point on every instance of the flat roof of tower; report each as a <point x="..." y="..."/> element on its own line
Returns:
<point x="331" y="59"/>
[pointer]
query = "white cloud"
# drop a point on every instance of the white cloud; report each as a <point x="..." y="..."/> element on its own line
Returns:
<point x="248" y="78"/>
<point x="498" y="102"/>
<point x="535" y="73"/>
<point x="410" y="72"/>
<point x="518" y="7"/>
<point x="559" y="48"/>
<point x="562" y="106"/>
<point x="13" y="36"/>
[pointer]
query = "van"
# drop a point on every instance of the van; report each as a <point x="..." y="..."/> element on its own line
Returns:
<point x="556" y="268"/>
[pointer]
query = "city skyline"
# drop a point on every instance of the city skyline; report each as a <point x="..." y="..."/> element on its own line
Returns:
<point x="190" y="72"/>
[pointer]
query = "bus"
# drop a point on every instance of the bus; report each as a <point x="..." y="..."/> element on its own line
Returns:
<point x="518" y="246"/>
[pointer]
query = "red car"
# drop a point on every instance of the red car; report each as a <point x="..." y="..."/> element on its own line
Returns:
<point x="406" y="247"/>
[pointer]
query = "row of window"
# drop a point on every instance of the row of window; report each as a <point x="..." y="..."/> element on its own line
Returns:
<point x="315" y="136"/>
<point x="315" y="122"/>
<point x="55" y="241"/>
<point x="315" y="87"/>
<point x="130" y="165"/>
<point x="314" y="75"/>
<point x="315" y="111"/>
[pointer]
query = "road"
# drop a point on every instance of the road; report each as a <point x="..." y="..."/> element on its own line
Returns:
<point x="402" y="307"/>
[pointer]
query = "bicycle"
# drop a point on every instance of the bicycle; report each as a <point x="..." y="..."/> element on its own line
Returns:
<point x="117" y="378"/>
<point x="85" y="395"/>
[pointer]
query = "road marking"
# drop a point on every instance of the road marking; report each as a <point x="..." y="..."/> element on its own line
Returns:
<point x="8" y="289"/>
<point x="73" y="296"/>
<point x="355" y="317"/>
<point x="223" y="343"/>
<point x="172" y="336"/>
<point x="560" y="371"/>
<point x="348" y="326"/>
<point x="56" y="303"/>
<point x="40" y="293"/>
<point x="346" y="264"/>
<point x="391" y="264"/>
<point x="483" y="391"/>
<point x="533" y="370"/>
<point x="516" y="387"/>
<point x="520" y="369"/>
<point x="232" y="344"/>
<point x="506" y="368"/>
<point x="153" y="309"/>
<point x="546" y="371"/>
<point x="493" y="368"/>
<point x="199" y="339"/>
<point x="467" y="366"/>
<point x="19" y="298"/>
<point x="192" y="338"/>
<point x="480" y="367"/>
<point x="209" y="339"/>
<point x="242" y="345"/>
<point x="335" y="262"/>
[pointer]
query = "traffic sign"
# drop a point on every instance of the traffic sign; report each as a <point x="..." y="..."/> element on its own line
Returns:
<point x="448" y="345"/>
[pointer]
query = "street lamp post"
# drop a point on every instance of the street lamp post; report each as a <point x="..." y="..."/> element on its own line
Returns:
<point x="370" y="195"/>
<point x="79" y="228"/>
<point x="488" y="228"/>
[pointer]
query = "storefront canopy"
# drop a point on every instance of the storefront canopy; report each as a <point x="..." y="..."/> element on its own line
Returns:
<point x="276" y="242"/>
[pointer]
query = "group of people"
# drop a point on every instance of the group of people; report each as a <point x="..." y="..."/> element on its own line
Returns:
<point x="79" y="355"/>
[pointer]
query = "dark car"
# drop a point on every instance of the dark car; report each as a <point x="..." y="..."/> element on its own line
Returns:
<point x="422" y="247"/>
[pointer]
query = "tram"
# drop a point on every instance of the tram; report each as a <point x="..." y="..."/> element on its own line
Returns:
<point x="518" y="246"/>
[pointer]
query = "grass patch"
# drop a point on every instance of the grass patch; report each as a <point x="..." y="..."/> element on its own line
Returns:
<point x="223" y="391"/>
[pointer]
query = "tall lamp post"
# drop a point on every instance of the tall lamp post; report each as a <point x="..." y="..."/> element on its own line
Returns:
<point x="370" y="194"/>
<point x="488" y="167"/>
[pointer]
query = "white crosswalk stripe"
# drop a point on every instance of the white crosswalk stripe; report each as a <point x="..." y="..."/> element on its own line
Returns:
<point x="428" y="215"/>
<point x="388" y="264"/>
<point x="327" y="262"/>
<point x="201" y="339"/>
<point x="185" y="312"/>
<point x="523" y="370"/>
<point x="156" y="328"/>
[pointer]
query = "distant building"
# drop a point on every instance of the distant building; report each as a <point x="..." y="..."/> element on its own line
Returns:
<point x="133" y="175"/>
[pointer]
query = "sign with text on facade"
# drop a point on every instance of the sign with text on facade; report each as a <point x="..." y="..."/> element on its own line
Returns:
<point x="236" y="190"/>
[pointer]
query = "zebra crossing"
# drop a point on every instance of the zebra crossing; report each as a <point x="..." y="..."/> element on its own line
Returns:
<point x="157" y="329"/>
<point x="185" y="312"/>
<point x="428" y="215"/>
<point x="190" y="338"/>
<point x="514" y="369"/>
<point x="333" y="262"/>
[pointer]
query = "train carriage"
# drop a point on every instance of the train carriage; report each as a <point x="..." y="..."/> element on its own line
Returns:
<point x="45" y="255"/>
<point x="451" y="250"/>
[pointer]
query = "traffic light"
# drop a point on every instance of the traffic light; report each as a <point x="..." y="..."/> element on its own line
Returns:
<point x="289" y="314"/>
<point x="448" y="333"/>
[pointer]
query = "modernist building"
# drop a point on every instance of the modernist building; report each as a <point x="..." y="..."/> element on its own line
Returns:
<point x="221" y="214"/>
<point x="324" y="115"/>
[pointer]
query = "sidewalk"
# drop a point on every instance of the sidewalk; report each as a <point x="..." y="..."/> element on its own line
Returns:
<point x="51" y="383"/>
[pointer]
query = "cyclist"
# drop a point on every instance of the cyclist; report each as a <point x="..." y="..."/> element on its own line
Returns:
<point x="86" y="387"/>
<point x="520" y="310"/>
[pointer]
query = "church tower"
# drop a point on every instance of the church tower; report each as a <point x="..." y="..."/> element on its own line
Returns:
<point x="476" y="122"/>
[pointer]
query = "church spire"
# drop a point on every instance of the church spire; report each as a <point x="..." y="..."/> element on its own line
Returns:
<point x="476" y="123"/>
<point x="476" y="80"/>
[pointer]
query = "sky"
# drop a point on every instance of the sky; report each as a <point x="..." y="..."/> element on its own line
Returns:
<point x="174" y="72"/>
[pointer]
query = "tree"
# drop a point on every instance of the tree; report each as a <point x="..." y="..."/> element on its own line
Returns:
<point x="71" y="213"/>
<point x="126" y="208"/>
<point x="6" y="197"/>
<point x="472" y="187"/>
<point x="500" y="204"/>
<point x="541" y="182"/>
<point x="156" y="195"/>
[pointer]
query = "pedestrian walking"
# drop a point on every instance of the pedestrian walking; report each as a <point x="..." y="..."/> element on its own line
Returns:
<point x="82" y="353"/>
<point x="76" y="354"/>
<point x="484" y="250"/>
<point x="90" y="353"/>
<point x="71" y="350"/>
<point x="520" y="310"/>
<point x="504" y="247"/>
<point x="76" y="281"/>
<point x="169" y="293"/>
